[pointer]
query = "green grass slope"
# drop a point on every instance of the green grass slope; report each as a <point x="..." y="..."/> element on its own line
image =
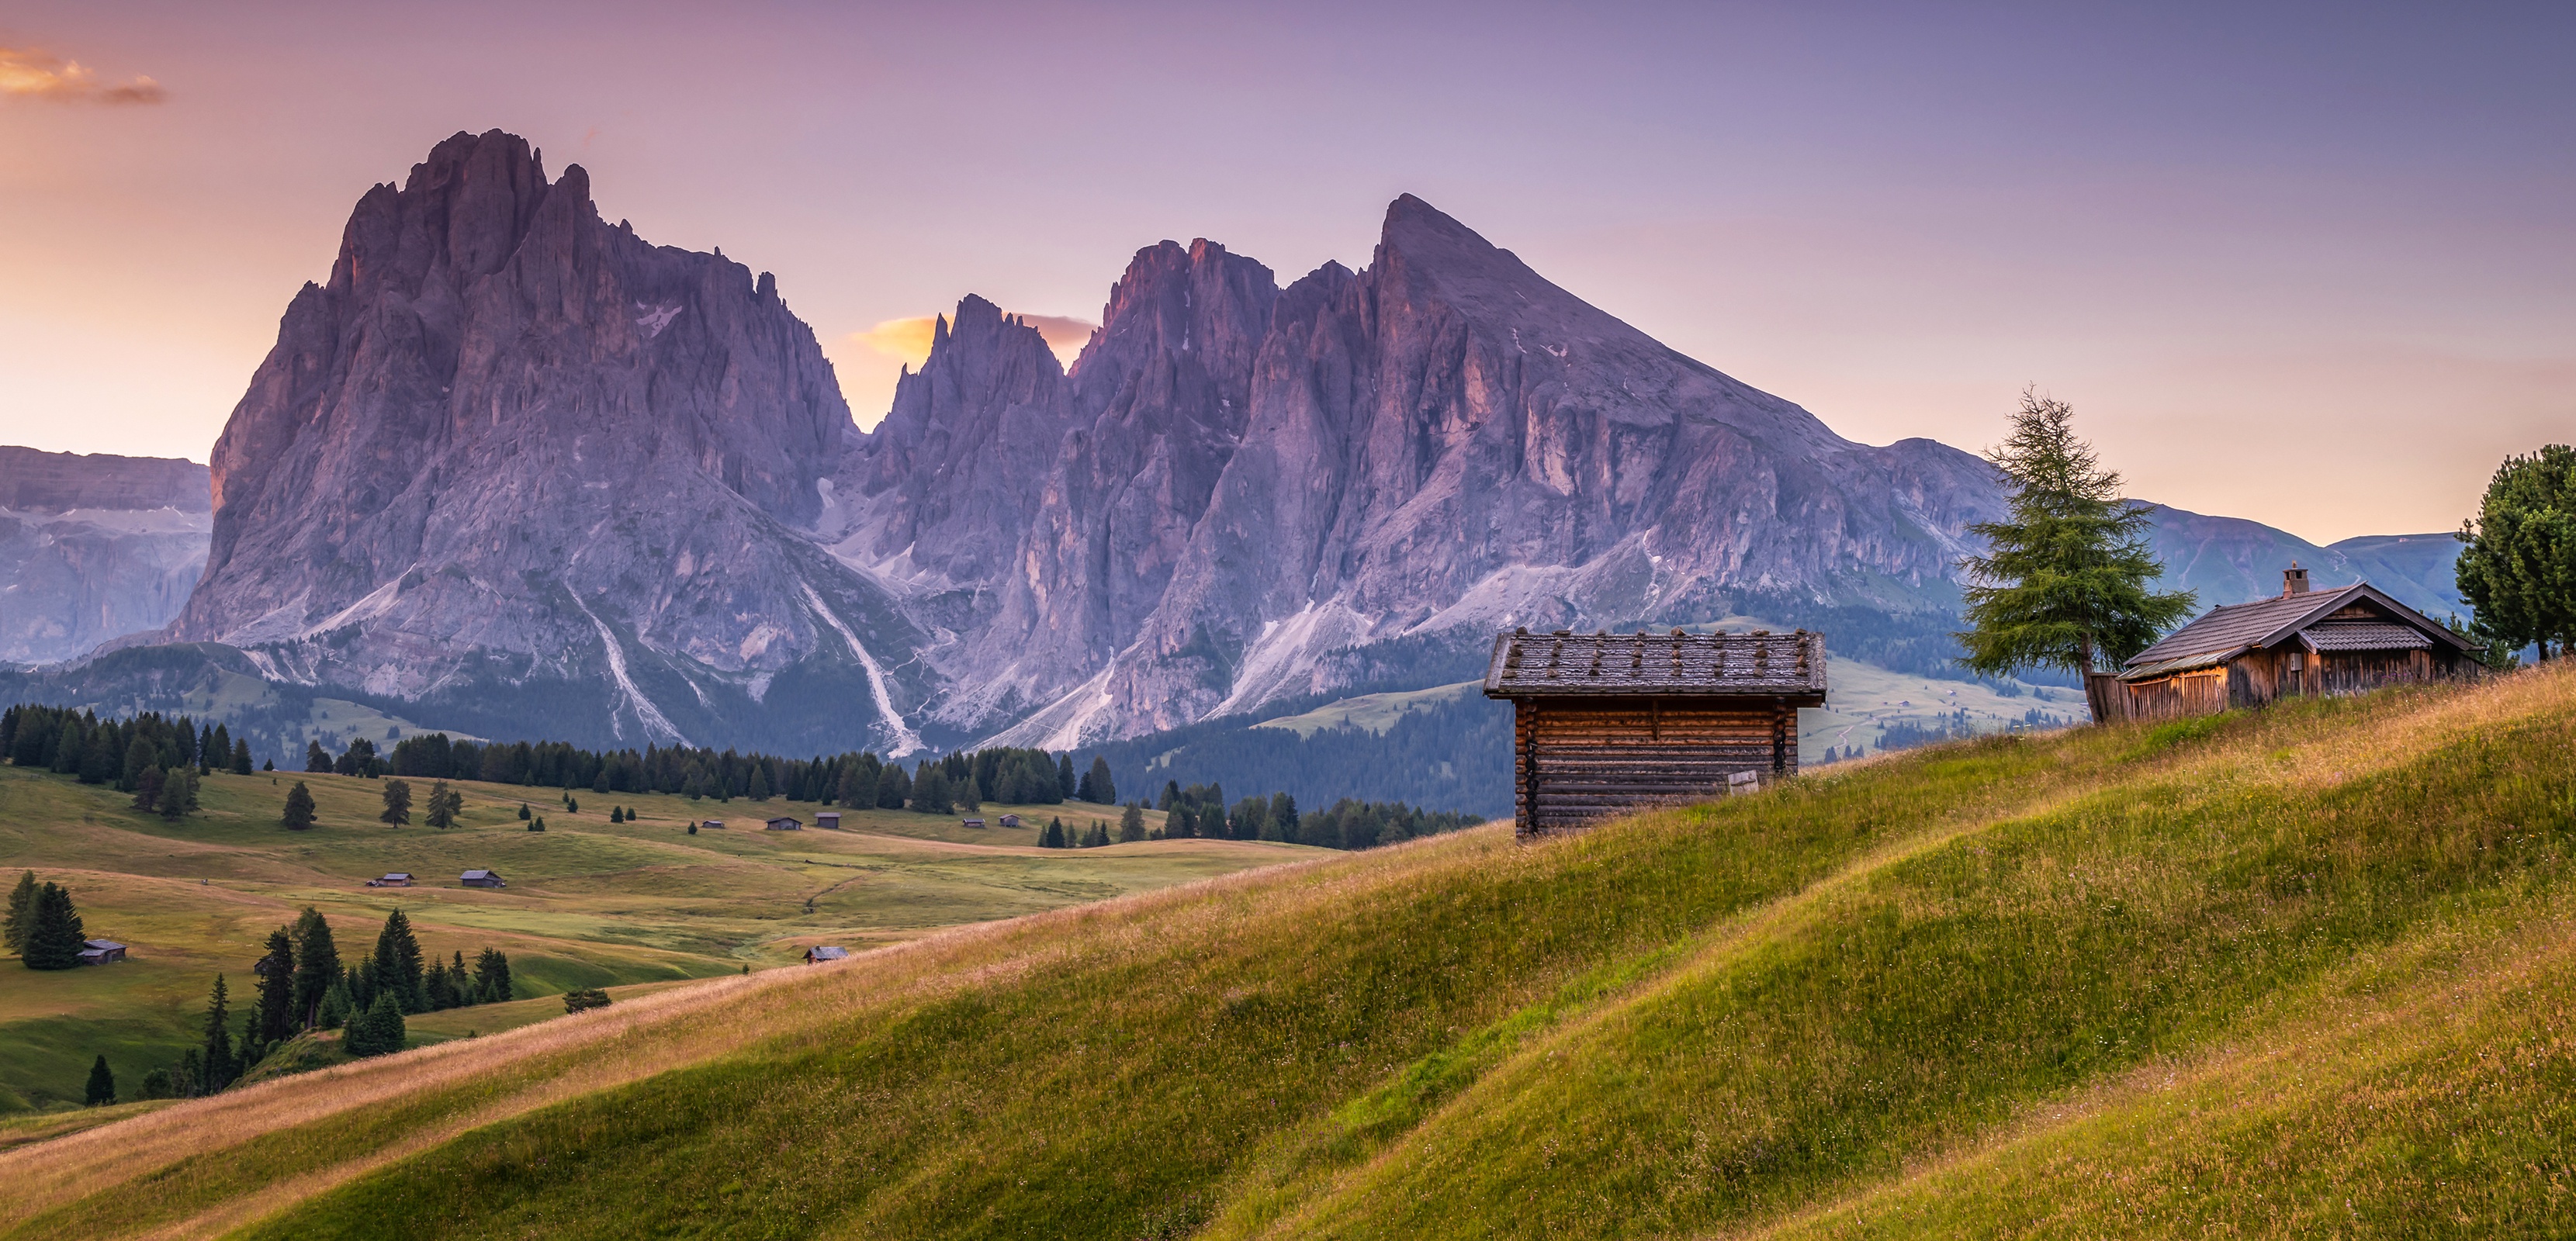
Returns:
<point x="2305" y="972"/>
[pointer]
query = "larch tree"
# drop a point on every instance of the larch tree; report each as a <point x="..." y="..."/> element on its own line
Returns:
<point x="2066" y="580"/>
<point x="397" y="809"/>
<point x="299" y="808"/>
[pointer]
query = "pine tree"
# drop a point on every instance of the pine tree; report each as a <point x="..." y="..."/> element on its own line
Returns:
<point x="1097" y="836"/>
<point x="492" y="977"/>
<point x="207" y="754"/>
<point x="22" y="912"/>
<point x="858" y="789"/>
<point x="299" y="808"/>
<point x="179" y="794"/>
<point x="222" y="752"/>
<point x="930" y="790"/>
<point x="147" y="789"/>
<point x="1131" y="822"/>
<point x="438" y="815"/>
<point x="55" y="940"/>
<point x="1064" y="781"/>
<point x="1104" y="791"/>
<point x="397" y="810"/>
<point x="102" y="1085"/>
<point x="317" y="761"/>
<point x="2064" y="581"/>
<point x="616" y="814"/>
<point x="275" y="1017"/>
<point x="378" y="1031"/>
<point x="1053" y="836"/>
<point x="1283" y="818"/>
<point x="524" y="816"/>
<point x="241" y="757"/>
<point x="894" y="788"/>
<point x="220" y="1067"/>
<point x="333" y="1012"/>
<point x="398" y="962"/>
<point x="760" y="781"/>
<point x="317" y="965"/>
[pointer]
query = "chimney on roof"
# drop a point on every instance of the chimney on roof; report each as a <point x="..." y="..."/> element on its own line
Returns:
<point x="2294" y="580"/>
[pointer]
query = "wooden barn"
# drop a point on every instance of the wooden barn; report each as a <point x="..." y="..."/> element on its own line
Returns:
<point x="785" y="823"/>
<point x="1604" y="723"/>
<point x="481" y="879"/>
<point x="829" y="820"/>
<point x="2299" y="643"/>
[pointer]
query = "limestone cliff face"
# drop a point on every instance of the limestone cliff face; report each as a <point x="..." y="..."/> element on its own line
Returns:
<point x="509" y="446"/>
<point x="94" y="547"/>
<point x="1254" y="483"/>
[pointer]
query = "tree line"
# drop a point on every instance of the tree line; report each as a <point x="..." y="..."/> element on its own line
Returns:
<point x="157" y="758"/>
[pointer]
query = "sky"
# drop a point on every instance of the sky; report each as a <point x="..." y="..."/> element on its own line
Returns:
<point x="2309" y="264"/>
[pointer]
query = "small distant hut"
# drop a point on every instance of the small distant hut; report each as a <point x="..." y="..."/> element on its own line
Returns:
<point x="977" y="824"/>
<point x="393" y="879"/>
<point x="826" y="953"/>
<point x="1604" y="723"/>
<point x="2300" y="643"/>
<point x="101" y="952"/>
<point x="829" y="820"/>
<point x="1010" y="820"/>
<point x="482" y="879"/>
<point x="712" y="825"/>
<point x="785" y="824"/>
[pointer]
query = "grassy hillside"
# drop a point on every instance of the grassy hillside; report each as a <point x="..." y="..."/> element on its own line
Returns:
<point x="590" y="903"/>
<point x="2299" y="973"/>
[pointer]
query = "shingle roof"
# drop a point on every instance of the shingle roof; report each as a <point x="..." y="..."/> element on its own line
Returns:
<point x="102" y="943"/>
<point x="1677" y="664"/>
<point x="2231" y="628"/>
<point x="828" y="954"/>
<point x="2361" y="635"/>
<point x="477" y="874"/>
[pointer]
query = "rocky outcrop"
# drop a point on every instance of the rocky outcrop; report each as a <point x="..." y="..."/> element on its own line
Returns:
<point x="511" y="451"/>
<point x="94" y="547"/>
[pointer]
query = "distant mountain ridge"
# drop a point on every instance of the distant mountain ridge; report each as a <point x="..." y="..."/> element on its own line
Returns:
<point x="95" y="546"/>
<point x="513" y="469"/>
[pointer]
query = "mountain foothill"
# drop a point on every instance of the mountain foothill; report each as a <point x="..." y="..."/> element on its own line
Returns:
<point x="513" y="470"/>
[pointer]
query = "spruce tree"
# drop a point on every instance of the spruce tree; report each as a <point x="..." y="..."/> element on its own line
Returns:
<point x="438" y="814"/>
<point x="299" y="808"/>
<point x="760" y="781"/>
<point x="102" y="1085"/>
<point x="2065" y="579"/>
<point x="276" y="1017"/>
<point x="930" y="790"/>
<point x="397" y="810"/>
<point x="398" y="968"/>
<point x="241" y="757"/>
<point x="55" y="940"/>
<point x="220" y="1067"/>
<point x="492" y="977"/>
<point x="179" y="794"/>
<point x="22" y="912"/>
<point x="207" y="754"/>
<point x="1064" y="781"/>
<point x="317" y="761"/>
<point x="524" y="816"/>
<point x="1131" y="822"/>
<point x="317" y="965"/>
<point x="147" y="790"/>
<point x="378" y="1031"/>
<point x="1104" y="791"/>
<point x="1053" y="836"/>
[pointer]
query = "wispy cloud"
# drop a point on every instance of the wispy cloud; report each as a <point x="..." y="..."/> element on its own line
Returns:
<point x="32" y="73"/>
<point x="908" y="340"/>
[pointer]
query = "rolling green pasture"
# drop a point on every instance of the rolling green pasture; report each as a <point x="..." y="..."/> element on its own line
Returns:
<point x="2303" y="972"/>
<point x="590" y="903"/>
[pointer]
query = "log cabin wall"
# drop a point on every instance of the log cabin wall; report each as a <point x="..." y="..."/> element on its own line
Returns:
<point x="1578" y="760"/>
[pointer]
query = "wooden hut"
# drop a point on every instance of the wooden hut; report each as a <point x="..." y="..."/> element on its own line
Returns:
<point x="1010" y="820"/>
<point x="826" y="953"/>
<point x="977" y="824"/>
<point x="481" y="879"/>
<point x="1604" y="723"/>
<point x="392" y="879"/>
<point x="2299" y="643"/>
<point x="784" y="823"/>
<point x="829" y="820"/>
<point x="101" y="952"/>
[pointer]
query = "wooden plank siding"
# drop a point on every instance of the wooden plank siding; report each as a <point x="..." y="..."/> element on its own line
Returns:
<point x="1578" y="760"/>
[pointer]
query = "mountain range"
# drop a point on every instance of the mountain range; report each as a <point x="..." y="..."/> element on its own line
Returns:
<point x="514" y="470"/>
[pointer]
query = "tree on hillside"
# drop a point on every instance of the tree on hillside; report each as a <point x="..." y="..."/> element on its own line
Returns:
<point x="759" y="782"/>
<point x="179" y="793"/>
<point x="2065" y="579"/>
<point x="1065" y="784"/>
<point x="492" y="977"/>
<point x="1131" y="822"/>
<point x="397" y="963"/>
<point x="2519" y="569"/>
<point x="317" y="761"/>
<point x="241" y="757"/>
<point x="317" y="964"/>
<point x="102" y="1085"/>
<point x="894" y="788"/>
<point x="56" y="936"/>
<point x="441" y="813"/>
<point x="147" y="790"/>
<point x="378" y="1031"/>
<point x="523" y="812"/>
<point x="22" y="912"/>
<point x="274" y="1018"/>
<point x="930" y="790"/>
<point x="299" y="807"/>
<point x="397" y="809"/>
<point x="1096" y="787"/>
<point x="220" y="1068"/>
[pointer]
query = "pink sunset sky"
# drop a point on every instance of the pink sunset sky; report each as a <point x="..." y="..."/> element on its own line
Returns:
<point x="2309" y="264"/>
